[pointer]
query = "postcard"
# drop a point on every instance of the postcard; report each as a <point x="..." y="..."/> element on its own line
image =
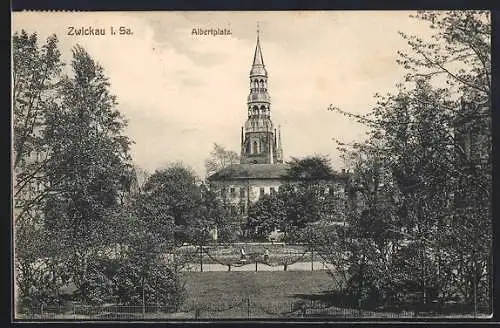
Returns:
<point x="256" y="165"/>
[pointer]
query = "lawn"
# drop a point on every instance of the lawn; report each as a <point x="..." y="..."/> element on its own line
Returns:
<point x="278" y="294"/>
<point x="277" y="286"/>
<point x="254" y="295"/>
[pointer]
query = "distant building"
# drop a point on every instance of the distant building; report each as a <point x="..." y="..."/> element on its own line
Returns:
<point x="260" y="141"/>
<point x="261" y="170"/>
<point x="261" y="167"/>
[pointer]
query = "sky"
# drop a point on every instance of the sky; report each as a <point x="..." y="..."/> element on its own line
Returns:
<point x="181" y="92"/>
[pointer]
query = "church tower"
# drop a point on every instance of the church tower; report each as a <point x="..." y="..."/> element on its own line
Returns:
<point x="260" y="141"/>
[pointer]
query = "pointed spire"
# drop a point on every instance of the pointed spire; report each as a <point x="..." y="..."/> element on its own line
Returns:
<point x="258" y="60"/>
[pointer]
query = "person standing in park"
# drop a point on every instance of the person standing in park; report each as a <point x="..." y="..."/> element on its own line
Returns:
<point x="243" y="255"/>
<point x="266" y="255"/>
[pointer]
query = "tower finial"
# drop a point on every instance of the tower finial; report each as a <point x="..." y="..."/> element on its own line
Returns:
<point x="258" y="30"/>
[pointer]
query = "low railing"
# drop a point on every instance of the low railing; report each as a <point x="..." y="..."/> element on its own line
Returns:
<point x="244" y="308"/>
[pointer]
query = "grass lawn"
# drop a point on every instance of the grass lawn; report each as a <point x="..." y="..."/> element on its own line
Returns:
<point x="275" y="294"/>
<point x="255" y="295"/>
<point x="277" y="286"/>
<point x="252" y="294"/>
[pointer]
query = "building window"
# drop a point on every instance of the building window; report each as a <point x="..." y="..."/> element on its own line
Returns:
<point x="242" y="192"/>
<point x="272" y="191"/>
<point x="261" y="191"/>
<point x="233" y="192"/>
<point x="255" y="147"/>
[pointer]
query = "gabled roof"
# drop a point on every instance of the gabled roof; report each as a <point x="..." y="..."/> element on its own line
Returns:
<point x="264" y="171"/>
<point x="251" y="171"/>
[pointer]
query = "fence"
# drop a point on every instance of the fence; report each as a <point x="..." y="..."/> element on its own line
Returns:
<point x="229" y="259"/>
<point x="244" y="308"/>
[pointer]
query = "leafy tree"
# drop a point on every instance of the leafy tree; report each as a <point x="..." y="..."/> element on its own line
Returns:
<point x="142" y="274"/>
<point x="220" y="158"/>
<point x="88" y="222"/>
<point x="313" y="193"/>
<point x="36" y="74"/>
<point x="265" y="215"/>
<point x="305" y="197"/>
<point x="313" y="168"/>
<point x="88" y="170"/>
<point x="302" y="204"/>
<point x="463" y="59"/>
<point x="218" y="215"/>
<point x="39" y="275"/>
<point x="175" y="192"/>
<point x="428" y="142"/>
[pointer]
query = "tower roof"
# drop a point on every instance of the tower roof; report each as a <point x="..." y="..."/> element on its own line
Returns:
<point x="258" y="67"/>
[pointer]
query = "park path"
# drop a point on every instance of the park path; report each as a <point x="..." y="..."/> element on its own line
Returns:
<point x="298" y="266"/>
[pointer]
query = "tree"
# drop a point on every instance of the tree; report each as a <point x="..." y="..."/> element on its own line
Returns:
<point x="310" y="169"/>
<point x="218" y="215"/>
<point x="194" y="208"/>
<point x="144" y="273"/>
<point x="431" y="139"/>
<point x="265" y="215"/>
<point x="220" y="158"/>
<point x="36" y="74"/>
<point x="175" y="191"/>
<point x="89" y="168"/>
<point x="305" y="196"/>
<point x="313" y="192"/>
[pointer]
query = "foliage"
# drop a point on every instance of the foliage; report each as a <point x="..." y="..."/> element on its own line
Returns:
<point x="422" y="180"/>
<point x="314" y="194"/>
<point x="36" y="74"/>
<point x="312" y="168"/>
<point x="219" y="158"/>
<point x="175" y="192"/>
<point x="77" y="225"/>
<point x="159" y="284"/>
<point x="141" y="273"/>
<point x="265" y="215"/>
<point x="88" y="169"/>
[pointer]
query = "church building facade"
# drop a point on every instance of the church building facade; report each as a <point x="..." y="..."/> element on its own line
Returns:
<point x="261" y="167"/>
<point x="261" y="170"/>
<point x="260" y="141"/>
